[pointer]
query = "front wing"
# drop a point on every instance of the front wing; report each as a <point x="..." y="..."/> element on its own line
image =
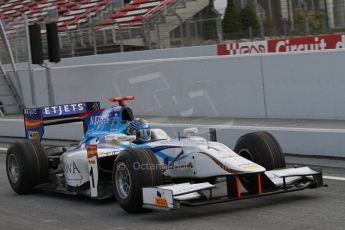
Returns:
<point x="168" y="197"/>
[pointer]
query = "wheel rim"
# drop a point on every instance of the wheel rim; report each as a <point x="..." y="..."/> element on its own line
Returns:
<point x="246" y="154"/>
<point x="123" y="180"/>
<point x="13" y="168"/>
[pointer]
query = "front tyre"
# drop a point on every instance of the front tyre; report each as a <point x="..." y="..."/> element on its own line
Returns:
<point x="263" y="149"/>
<point x="26" y="166"/>
<point x="134" y="169"/>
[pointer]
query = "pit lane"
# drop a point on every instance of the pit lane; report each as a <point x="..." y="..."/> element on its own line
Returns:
<point x="310" y="209"/>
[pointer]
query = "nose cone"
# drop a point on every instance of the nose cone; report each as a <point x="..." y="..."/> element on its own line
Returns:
<point x="230" y="161"/>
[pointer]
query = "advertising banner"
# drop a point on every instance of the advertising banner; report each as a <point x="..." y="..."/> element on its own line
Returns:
<point x="322" y="42"/>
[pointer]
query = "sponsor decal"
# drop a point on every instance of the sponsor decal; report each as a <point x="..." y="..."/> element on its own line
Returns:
<point x="306" y="43"/>
<point x="242" y="48"/>
<point x="93" y="169"/>
<point x="91" y="151"/>
<point x="99" y="120"/>
<point x="182" y="165"/>
<point x="115" y="152"/>
<point x="63" y="110"/>
<point x="32" y="124"/>
<point x="71" y="168"/>
<point x="30" y="111"/>
<point x="92" y="162"/>
<point x="34" y="135"/>
<point x="298" y="44"/>
<point x="248" y="166"/>
<point x="72" y="171"/>
<point x="161" y="201"/>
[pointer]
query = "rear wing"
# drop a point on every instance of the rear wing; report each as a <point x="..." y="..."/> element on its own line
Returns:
<point x="36" y="118"/>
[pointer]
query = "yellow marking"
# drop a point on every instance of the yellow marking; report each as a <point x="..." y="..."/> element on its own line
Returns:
<point x="34" y="135"/>
<point x="161" y="202"/>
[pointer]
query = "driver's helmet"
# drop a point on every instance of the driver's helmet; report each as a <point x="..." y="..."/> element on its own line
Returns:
<point x="140" y="128"/>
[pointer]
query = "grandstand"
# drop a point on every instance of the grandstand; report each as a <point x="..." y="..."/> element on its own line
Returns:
<point x="89" y="27"/>
<point x="101" y="26"/>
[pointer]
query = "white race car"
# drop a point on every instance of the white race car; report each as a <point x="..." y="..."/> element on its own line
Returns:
<point x="161" y="173"/>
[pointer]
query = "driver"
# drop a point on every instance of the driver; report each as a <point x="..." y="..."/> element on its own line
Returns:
<point x="140" y="128"/>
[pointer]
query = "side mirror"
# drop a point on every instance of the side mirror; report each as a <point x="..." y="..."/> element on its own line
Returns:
<point x="131" y="138"/>
<point x="213" y="134"/>
<point x="190" y="131"/>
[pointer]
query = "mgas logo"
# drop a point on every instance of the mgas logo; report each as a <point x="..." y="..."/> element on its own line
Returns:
<point x="69" y="109"/>
<point x="242" y="48"/>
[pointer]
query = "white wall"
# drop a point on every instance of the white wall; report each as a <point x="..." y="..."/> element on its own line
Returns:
<point x="281" y="86"/>
<point x="305" y="85"/>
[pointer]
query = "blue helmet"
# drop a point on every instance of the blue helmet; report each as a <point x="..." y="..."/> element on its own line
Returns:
<point x="140" y="128"/>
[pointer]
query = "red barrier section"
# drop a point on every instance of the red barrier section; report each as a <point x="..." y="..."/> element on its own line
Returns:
<point x="322" y="42"/>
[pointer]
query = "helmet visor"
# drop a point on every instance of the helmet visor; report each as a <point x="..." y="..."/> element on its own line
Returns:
<point x="144" y="134"/>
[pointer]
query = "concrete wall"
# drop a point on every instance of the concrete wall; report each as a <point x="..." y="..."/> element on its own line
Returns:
<point x="194" y="51"/>
<point x="305" y="86"/>
<point x="278" y="86"/>
<point x="284" y="86"/>
<point x="321" y="142"/>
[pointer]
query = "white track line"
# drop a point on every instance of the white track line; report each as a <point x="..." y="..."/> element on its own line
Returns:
<point x="334" y="178"/>
<point x="324" y="177"/>
<point x="250" y="127"/>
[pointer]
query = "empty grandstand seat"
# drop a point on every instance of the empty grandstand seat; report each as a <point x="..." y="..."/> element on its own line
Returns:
<point x="11" y="12"/>
<point x="72" y="13"/>
<point x="132" y="14"/>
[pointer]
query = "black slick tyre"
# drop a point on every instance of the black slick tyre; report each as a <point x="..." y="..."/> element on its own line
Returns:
<point x="134" y="169"/>
<point x="26" y="166"/>
<point x="263" y="149"/>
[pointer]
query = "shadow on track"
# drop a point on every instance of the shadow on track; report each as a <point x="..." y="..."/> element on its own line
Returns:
<point x="228" y="208"/>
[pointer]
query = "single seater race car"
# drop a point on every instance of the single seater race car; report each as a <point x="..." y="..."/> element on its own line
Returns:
<point x="157" y="172"/>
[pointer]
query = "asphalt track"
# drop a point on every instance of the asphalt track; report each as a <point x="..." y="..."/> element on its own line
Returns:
<point x="311" y="209"/>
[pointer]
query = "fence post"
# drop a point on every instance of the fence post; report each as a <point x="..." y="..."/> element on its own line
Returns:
<point x="28" y="48"/>
<point x="94" y="41"/>
<point x="81" y="38"/>
<point x="90" y="36"/>
<point x="113" y="32"/>
<point x="72" y="43"/>
<point x="291" y="19"/>
<point x="187" y="22"/>
<point x="16" y="49"/>
<point x="147" y="33"/>
<point x="219" y="28"/>
<point x="260" y="19"/>
<point x="158" y="36"/>
<point x="306" y="19"/>
<point x="180" y="26"/>
<point x="121" y="38"/>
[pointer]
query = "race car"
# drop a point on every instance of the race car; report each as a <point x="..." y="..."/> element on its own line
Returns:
<point x="143" y="167"/>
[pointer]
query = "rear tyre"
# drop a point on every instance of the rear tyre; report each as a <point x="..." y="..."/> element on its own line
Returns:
<point x="134" y="169"/>
<point x="26" y="166"/>
<point x="263" y="149"/>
